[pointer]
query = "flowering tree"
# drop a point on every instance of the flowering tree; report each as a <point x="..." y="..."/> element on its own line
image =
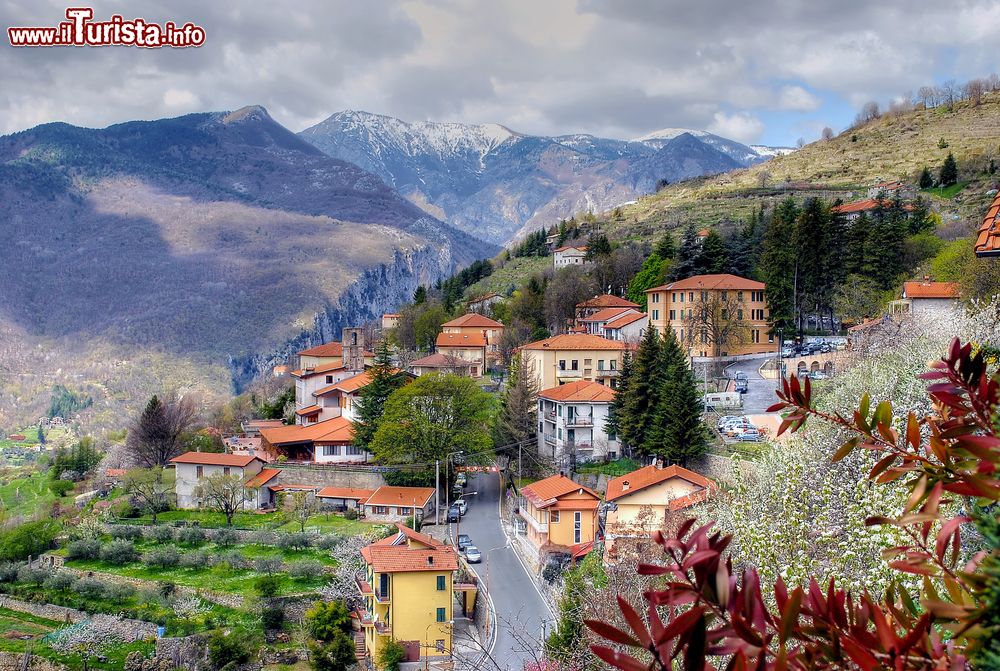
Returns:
<point x="89" y="637"/>
<point x="946" y="462"/>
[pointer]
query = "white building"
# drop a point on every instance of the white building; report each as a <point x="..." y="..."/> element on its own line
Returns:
<point x="572" y="419"/>
<point x="569" y="256"/>
<point x="627" y="328"/>
<point x="192" y="467"/>
<point x="927" y="299"/>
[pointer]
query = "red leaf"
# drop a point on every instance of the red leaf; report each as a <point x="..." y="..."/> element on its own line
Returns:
<point x="619" y="660"/>
<point x="790" y="614"/>
<point x="635" y="622"/>
<point x="680" y="624"/>
<point x="947" y="529"/>
<point x="860" y="655"/>
<point x="613" y="634"/>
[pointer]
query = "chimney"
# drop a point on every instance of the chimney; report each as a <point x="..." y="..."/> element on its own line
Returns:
<point x="927" y="279"/>
<point x="625" y="485"/>
<point x="659" y="464"/>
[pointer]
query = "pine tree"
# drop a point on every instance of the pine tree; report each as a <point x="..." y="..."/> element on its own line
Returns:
<point x="640" y="396"/>
<point x="777" y="265"/>
<point x="686" y="437"/>
<point x="420" y="295"/>
<point x="949" y="171"/>
<point x="517" y="420"/>
<point x="666" y="248"/>
<point x="688" y="254"/>
<point x="713" y="257"/>
<point x="856" y="245"/>
<point x="660" y="420"/>
<point x="384" y="380"/>
<point x="926" y="179"/>
<point x="598" y="245"/>
<point x="617" y="410"/>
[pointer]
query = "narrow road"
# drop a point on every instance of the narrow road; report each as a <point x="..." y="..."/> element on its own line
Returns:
<point x="760" y="394"/>
<point x="521" y="613"/>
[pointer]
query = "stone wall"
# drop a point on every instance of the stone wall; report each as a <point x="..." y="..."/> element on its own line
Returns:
<point x="14" y="661"/>
<point x="328" y="476"/>
<point x="132" y="630"/>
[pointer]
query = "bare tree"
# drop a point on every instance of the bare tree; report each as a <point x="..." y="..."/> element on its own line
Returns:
<point x="869" y="112"/>
<point x="148" y="490"/>
<point x="974" y="90"/>
<point x="717" y="323"/>
<point x="827" y="133"/>
<point x="763" y="178"/>
<point x="224" y="493"/>
<point x="801" y="142"/>
<point x="948" y="93"/>
<point x="927" y="96"/>
<point x="301" y="505"/>
<point x="154" y="436"/>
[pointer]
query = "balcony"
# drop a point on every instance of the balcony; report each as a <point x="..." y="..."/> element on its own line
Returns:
<point x="579" y="421"/>
<point x="550" y="415"/>
<point x="539" y="527"/>
<point x="607" y="372"/>
<point x="368" y="621"/>
<point x="550" y="439"/>
<point x="366" y="590"/>
<point x="567" y="373"/>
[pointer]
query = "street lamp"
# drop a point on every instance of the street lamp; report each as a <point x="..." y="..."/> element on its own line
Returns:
<point x="427" y="645"/>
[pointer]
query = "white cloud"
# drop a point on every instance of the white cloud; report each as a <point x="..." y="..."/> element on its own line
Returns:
<point x="741" y="126"/>
<point x="798" y="99"/>
<point x="180" y="99"/>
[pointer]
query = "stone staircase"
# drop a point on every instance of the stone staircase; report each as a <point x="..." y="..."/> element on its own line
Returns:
<point x="359" y="647"/>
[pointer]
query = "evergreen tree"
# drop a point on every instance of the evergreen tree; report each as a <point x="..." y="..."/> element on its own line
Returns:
<point x="812" y="243"/>
<point x="685" y="436"/>
<point x="660" y="420"/>
<point x="743" y="246"/>
<point x="517" y="420"/>
<point x="856" y="245"/>
<point x="712" y="257"/>
<point x="949" y="171"/>
<point x="371" y="405"/>
<point x="884" y="249"/>
<point x="420" y="295"/>
<point x="926" y="179"/>
<point x="666" y="248"/>
<point x="617" y="409"/>
<point x="777" y="266"/>
<point x="919" y="220"/>
<point x="641" y="394"/>
<point x="598" y="245"/>
<point x="688" y="254"/>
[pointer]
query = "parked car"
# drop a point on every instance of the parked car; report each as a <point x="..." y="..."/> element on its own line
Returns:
<point x="742" y="385"/>
<point x="748" y="435"/>
<point x="463" y="506"/>
<point x="472" y="554"/>
<point x="454" y="513"/>
<point x="463" y="541"/>
<point x="456" y="490"/>
<point x="726" y="419"/>
<point x="818" y="375"/>
<point x="735" y="429"/>
<point x="461" y="479"/>
<point x="787" y="352"/>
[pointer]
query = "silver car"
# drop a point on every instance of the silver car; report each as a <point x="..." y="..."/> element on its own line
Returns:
<point x="472" y="554"/>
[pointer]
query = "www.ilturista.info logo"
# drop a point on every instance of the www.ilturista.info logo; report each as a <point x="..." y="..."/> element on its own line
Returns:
<point x="81" y="31"/>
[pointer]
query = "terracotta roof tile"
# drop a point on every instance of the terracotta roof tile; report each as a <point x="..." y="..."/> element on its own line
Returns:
<point x="326" y="349"/>
<point x="574" y="341"/>
<point x="625" y="320"/>
<point x="473" y="320"/>
<point x="318" y="370"/>
<point x="607" y="314"/>
<point x="579" y="248"/>
<point x="717" y="281"/>
<point x="927" y="289"/>
<point x="460" y="340"/>
<point x="214" y="459"/>
<point x="607" y="301"/>
<point x="582" y="391"/>
<point x="647" y="476"/>
<point x="336" y="430"/>
<point x="402" y="553"/>
<point x="400" y="496"/>
<point x="865" y="205"/>
<point x="344" y="493"/>
<point x="262" y="478"/>
<point x="988" y="241"/>
<point x="440" y="361"/>
<point x="546" y="492"/>
<point x="309" y="410"/>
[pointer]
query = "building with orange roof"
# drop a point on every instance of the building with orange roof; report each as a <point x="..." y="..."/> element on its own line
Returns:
<point x="390" y="320"/>
<point x="644" y="501"/>
<point x="476" y="324"/>
<point x="396" y="504"/>
<point x="572" y="422"/>
<point x="714" y="315"/>
<point x="327" y="442"/>
<point x="343" y="498"/>
<point x="569" y="255"/>
<point x="853" y="210"/>
<point x="588" y="307"/>
<point x="409" y="591"/>
<point x="441" y="363"/>
<point x="927" y="298"/>
<point x="471" y="347"/>
<point x="629" y="327"/>
<point x="191" y="468"/>
<point x="574" y="356"/>
<point x="988" y="240"/>
<point x="558" y="514"/>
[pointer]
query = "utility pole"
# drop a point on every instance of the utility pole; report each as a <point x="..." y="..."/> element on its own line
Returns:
<point x="437" y="491"/>
<point x="519" y="464"/>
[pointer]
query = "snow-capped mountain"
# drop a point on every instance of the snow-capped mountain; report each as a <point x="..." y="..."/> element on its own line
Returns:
<point x="495" y="183"/>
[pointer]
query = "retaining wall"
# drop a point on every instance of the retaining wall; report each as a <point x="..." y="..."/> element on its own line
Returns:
<point x="132" y="630"/>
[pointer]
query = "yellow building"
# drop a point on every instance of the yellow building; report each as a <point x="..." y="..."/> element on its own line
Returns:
<point x="409" y="596"/>
<point x="476" y="324"/>
<point x="642" y="502"/>
<point x="560" y="515"/>
<point x="573" y="357"/>
<point x="713" y="315"/>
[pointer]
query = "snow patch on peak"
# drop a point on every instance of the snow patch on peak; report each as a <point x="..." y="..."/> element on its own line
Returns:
<point x="771" y="152"/>
<point x="669" y="134"/>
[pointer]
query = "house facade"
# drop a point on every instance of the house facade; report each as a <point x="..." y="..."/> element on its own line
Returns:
<point x="641" y="503"/>
<point x="409" y="594"/>
<point x="559" y="514"/>
<point x="714" y="315"/>
<point x="330" y="442"/>
<point x="191" y="468"/>
<point x="468" y="347"/>
<point x="441" y="363"/>
<point x="927" y="299"/>
<point x="396" y="504"/>
<point x="627" y="328"/>
<point x="585" y="309"/>
<point x="572" y="357"/>
<point x="569" y="256"/>
<point x="572" y="421"/>
<point x="474" y="324"/>
<point x="390" y="320"/>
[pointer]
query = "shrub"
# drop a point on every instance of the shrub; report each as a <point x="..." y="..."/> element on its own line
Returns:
<point x="294" y="541"/>
<point x="391" y="655"/>
<point x="166" y="588"/>
<point x="267" y="585"/>
<point x="225" y="537"/>
<point x="227" y="648"/>
<point x="263" y="538"/>
<point x="235" y="559"/>
<point x="61" y="487"/>
<point x="124" y="509"/>
<point x="8" y="571"/>
<point x="272" y="618"/>
<point x="89" y="588"/>
<point x="60" y="581"/>
<point x="119" y="592"/>
<point x="267" y="565"/>
<point x="162" y="557"/>
<point x="119" y="552"/>
<point x="31" y="576"/>
<point x="127" y="532"/>
<point x="305" y="569"/>
<point x="196" y="559"/>
<point x="87" y="548"/>
<point x="161" y="534"/>
<point x="351" y="514"/>
<point x="335" y="655"/>
<point x="191" y="535"/>
<point x="327" y="541"/>
<point x="326" y="618"/>
<point x="30" y="538"/>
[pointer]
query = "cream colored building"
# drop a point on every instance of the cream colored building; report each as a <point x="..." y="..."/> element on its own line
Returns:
<point x="573" y="357"/>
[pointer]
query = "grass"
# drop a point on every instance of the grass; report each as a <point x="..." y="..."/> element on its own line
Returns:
<point x="512" y="274"/>
<point x="209" y="519"/>
<point x="611" y="469"/>
<point x="27" y="494"/>
<point x="946" y="192"/>
<point x="328" y="523"/>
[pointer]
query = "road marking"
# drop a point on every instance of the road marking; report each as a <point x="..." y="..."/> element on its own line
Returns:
<point x="518" y="554"/>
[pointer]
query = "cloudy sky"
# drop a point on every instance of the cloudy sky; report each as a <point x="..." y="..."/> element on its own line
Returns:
<point x="764" y="71"/>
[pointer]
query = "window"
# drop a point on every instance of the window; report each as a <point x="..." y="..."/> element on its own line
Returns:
<point x="656" y="298"/>
<point x="225" y="470"/>
<point x="739" y="315"/>
<point x="554" y="517"/>
<point x="331" y="450"/>
<point x="199" y="471"/>
<point x="770" y="337"/>
<point x="682" y="297"/>
<point x="691" y="297"/>
<point x="562" y="364"/>
<point x="673" y="296"/>
<point x="614" y="364"/>
<point x="329" y="379"/>
<point x="381" y="510"/>
<point x="575" y="364"/>
<point x="704" y="336"/>
<point x="400" y="510"/>
<point x="656" y="314"/>
<point x="704" y="296"/>
<point x="439" y="645"/>
<point x="612" y="435"/>
<point x="442" y="614"/>
<point x="725" y="295"/>
<point x="673" y="314"/>
<point x="441" y="583"/>
<point x="587" y="363"/>
<point x="577" y="526"/>
<point x="739" y="295"/>
<point x="681" y="337"/>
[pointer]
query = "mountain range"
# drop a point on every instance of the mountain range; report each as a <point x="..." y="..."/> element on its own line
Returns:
<point x="499" y="184"/>
<point x="220" y="239"/>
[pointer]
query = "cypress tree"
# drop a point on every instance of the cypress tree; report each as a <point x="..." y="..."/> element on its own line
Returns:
<point x="949" y="171"/>
<point x="384" y="380"/>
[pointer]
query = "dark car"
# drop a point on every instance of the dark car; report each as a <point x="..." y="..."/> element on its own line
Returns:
<point x="454" y="514"/>
<point x="463" y="541"/>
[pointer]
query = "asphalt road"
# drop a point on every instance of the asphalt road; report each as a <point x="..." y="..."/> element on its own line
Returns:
<point x="521" y="613"/>
<point x="760" y="393"/>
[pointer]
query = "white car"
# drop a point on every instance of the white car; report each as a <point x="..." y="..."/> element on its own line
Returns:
<point x="728" y="419"/>
<point x="818" y="375"/>
<point x="737" y="429"/>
